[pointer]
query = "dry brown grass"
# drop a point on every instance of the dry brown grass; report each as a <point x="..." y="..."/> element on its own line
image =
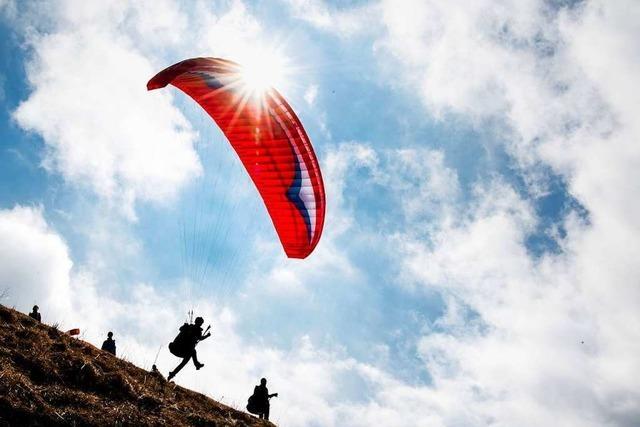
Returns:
<point x="48" y="378"/>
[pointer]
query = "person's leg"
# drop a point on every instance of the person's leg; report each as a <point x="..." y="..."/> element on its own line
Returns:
<point x="194" y="356"/>
<point x="266" y="412"/>
<point x="179" y="367"/>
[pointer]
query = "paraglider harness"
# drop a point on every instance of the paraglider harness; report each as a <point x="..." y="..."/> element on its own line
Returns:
<point x="183" y="344"/>
<point x="254" y="406"/>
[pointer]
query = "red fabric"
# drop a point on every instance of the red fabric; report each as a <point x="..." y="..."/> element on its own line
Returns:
<point x="269" y="140"/>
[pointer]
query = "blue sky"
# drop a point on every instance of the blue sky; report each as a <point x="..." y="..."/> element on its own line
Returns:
<point x="479" y="164"/>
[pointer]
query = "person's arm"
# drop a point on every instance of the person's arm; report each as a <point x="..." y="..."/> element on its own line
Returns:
<point x="273" y="395"/>
<point x="205" y="336"/>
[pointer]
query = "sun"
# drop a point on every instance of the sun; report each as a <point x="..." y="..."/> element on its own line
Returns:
<point x="263" y="70"/>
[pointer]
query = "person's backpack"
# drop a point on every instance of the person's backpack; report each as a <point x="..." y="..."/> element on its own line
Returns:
<point x="252" y="405"/>
<point x="180" y="344"/>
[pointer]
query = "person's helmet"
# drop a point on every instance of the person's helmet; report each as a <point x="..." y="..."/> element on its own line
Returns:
<point x="110" y="334"/>
<point x="263" y="381"/>
<point x="36" y="308"/>
<point x="199" y="321"/>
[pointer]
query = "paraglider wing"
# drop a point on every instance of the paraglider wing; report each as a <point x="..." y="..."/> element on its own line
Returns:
<point x="269" y="140"/>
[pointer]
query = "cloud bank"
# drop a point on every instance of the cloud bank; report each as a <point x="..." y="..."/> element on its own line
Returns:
<point x="524" y="339"/>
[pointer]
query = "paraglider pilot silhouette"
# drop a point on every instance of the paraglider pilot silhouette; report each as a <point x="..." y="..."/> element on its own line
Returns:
<point x="259" y="401"/>
<point x="184" y="345"/>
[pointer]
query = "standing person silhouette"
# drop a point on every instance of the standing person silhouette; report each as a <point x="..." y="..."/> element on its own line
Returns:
<point x="184" y="345"/>
<point x="261" y="398"/>
<point x="34" y="314"/>
<point x="109" y="344"/>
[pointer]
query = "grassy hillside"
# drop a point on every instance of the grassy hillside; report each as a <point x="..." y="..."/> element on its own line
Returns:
<point x="48" y="378"/>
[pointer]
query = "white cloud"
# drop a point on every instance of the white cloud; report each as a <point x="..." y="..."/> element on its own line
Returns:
<point x="7" y="7"/>
<point x="316" y="386"/>
<point x="234" y="34"/>
<point x="524" y="341"/>
<point x="561" y="82"/>
<point x="426" y="187"/>
<point x="34" y="261"/>
<point x="519" y="363"/>
<point x="88" y="71"/>
<point x="343" y="22"/>
<point x="461" y="55"/>
<point x="89" y="102"/>
<point x="88" y="148"/>
<point x="311" y="94"/>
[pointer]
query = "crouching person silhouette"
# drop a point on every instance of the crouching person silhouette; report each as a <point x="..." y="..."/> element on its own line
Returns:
<point x="184" y="345"/>
<point x="259" y="401"/>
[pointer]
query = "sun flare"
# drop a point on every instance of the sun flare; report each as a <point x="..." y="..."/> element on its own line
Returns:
<point x="264" y="70"/>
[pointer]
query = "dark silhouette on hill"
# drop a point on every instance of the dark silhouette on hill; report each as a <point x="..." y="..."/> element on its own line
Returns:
<point x="184" y="345"/>
<point x="259" y="401"/>
<point x="48" y="378"/>
<point x="109" y="344"/>
<point x="34" y="314"/>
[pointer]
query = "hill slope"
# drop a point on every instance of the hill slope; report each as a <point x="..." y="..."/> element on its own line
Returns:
<point x="48" y="378"/>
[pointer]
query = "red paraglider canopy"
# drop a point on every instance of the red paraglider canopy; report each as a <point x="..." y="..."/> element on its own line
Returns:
<point x="270" y="141"/>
